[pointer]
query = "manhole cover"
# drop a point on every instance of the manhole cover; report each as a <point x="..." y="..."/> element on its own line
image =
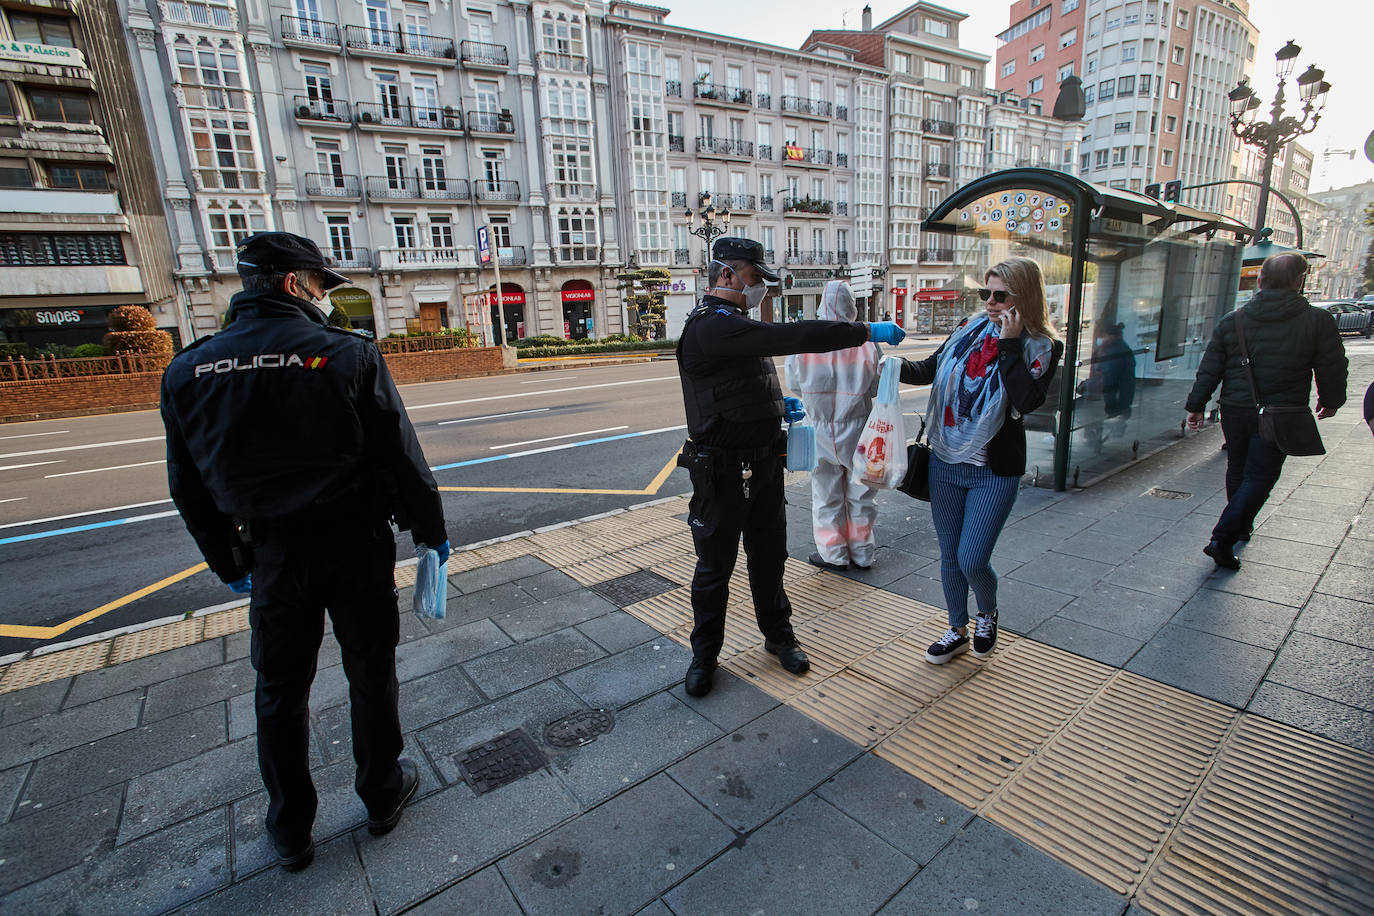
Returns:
<point x="579" y="728"/>
<point x="502" y="760"/>
<point x="624" y="591"/>
<point x="1168" y="494"/>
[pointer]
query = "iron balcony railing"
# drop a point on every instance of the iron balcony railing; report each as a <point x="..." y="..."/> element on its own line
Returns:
<point x="766" y="202"/>
<point x="351" y="257"/>
<point x="720" y="146"/>
<point x="842" y="160"/>
<point x="416" y="187"/>
<point x="496" y="190"/>
<point x="765" y="151"/>
<point x="841" y="257"/>
<point x="569" y="63"/>
<point x="715" y="92"/>
<point x="332" y="184"/>
<point x="398" y="41"/>
<point x="937" y="170"/>
<point x="737" y="202"/>
<point x="807" y="205"/>
<point x="489" y="122"/>
<point x="483" y="54"/>
<point x="841" y="208"/>
<point x="679" y="199"/>
<point x="511" y="255"/>
<point x="673" y="88"/>
<point x="768" y="256"/>
<point x="935" y="126"/>
<point x="763" y="100"/>
<point x="682" y="256"/>
<point x="842" y="112"/>
<point x="676" y="144"/>
<point x="315" y="109"/>
<point x="799" y="105"/>
<point x="807" y="154"/>
<point x="309" y="31"/>
<point x="937" y="254"/>
<point x="404" y="114"/>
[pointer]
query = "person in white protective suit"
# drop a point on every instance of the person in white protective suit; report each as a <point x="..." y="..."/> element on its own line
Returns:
<point x="838" y="389"/>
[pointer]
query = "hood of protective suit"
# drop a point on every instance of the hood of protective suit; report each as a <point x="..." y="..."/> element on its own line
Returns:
<point x="837" y="302"/>
<point x="836" y="387"/>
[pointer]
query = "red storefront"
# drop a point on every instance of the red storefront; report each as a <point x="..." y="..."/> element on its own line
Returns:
<point x="513" y="300"/>
<point x="579" y="299"/>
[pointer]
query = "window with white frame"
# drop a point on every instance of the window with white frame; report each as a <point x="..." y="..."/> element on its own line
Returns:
<point x="1035" y="85"/>
<point x="441" y="231"/>
<point x="216" y="13"/>
<point x="500" y="233"/>
<point x="395" y="159"/>
<point x="937" y="27"/>
<point x="577" y="235"/>
<point x="766" y="240"/>
<point x="432" y="174"/>
<point x="1064" y="72"/>
<point x="378" y="14"/>
<point x="481" y="26"/>
<point x="1128" y="53"/>
<point x="1037" y="54"/>
<point x="793" y="242"/>
<point x="417" y="27"/>
<point x="968" y="77"/>
<point x="225" y="152"/>
<point x="209" y="74"/>
<point x="935" y="70"/>
<point x="403" y="230"/>
<point x="388" y="83"/>
<point x="493" y="168"/>
<point x="1068" y="38"/>
<point x="562" y="35"/>
<point x="572" y="168"/>
<point x="425" y="98"/>
<point x="319" y="88"/>
<point x="1166" y="157"/>
<point x="230" y="222"/>
<point x="1175" y="90"/>
<point x="901" y="63"/>
<point x="339" y="227"/>
<point x="1009" y="67"/>
<point x="329" y="162"/>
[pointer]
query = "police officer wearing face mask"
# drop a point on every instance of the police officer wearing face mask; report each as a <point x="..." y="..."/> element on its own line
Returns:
<point x="288" y="449"/>
<point x="735" y="447"/>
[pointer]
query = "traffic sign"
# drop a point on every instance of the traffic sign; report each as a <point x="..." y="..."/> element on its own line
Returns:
<point x="483" y="245"/>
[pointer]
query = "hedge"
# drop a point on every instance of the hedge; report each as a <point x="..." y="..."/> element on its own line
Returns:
<point x="569" y="350"/>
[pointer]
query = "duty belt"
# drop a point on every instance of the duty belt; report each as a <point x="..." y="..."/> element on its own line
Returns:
<point x="692" y="452"/>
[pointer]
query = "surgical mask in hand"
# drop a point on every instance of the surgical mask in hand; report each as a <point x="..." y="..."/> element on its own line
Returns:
<point x="753" y="295"/>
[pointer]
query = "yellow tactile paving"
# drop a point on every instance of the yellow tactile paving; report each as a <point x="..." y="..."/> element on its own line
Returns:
<point x="505" y="550"/>
<point x="460" y="562"/>
<point x="569" y="554"/>
<point x="666" y="612"/>
<point x="763" y="671"/>
<point x="902" y="665"/>
<point x="405" y="575"/>
<point x="599" y="569"/>
<point x="822" y="592"/>
<point x="1284" y="822"/>
<point x="156" y="639"/>
<point x="54" y="666"/>
<point x="225" y="623"/>
<point x="860" y="709"/>
<point x="1135" y="755"/>
<point x="679" y="569"/>
<point x="648" y="555"/>
<point x="556" y="537"/>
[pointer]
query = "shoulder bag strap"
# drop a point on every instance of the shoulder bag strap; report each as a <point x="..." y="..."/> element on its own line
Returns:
<point x="1245" y="359"/>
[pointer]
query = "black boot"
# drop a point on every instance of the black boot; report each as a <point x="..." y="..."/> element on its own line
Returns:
<point x="790" y="655"/>
<point x="1221" y="555"/>
<point x="700" y="673"/>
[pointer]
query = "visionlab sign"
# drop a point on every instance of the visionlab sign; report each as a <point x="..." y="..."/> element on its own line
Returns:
<point x="41" y="54"/>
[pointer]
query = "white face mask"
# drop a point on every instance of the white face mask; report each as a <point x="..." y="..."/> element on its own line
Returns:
<point x="753" y="295"/>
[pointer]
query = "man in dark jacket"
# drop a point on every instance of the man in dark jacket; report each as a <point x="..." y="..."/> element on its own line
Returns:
<point x="734" y="451"/>
<point x="1288" y="342"/>
<point x="288" y="449"/>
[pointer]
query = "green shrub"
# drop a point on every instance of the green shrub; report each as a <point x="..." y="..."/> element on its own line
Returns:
<point x="15" y="350"/>
<point x="57" y="351"/>
<point x="566" y="349"/>
<point x="88" y="350"/>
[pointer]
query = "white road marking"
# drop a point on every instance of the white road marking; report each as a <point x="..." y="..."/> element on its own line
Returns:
<point x="60" y="518"/>
<point x="535" y="394"/>
<point x="79" y="448"/>
<point x="13" y="499"/>
<point x="31" y="464"/>
<point x="561" y="378"/>
<point x="585" y="432"/>
<point x="117" y="467"/>
<point x="494" y="416"/>
<point x="56" y="432"/>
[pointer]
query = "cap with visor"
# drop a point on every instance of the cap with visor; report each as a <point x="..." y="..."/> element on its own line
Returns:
<point x="282" y="252"/>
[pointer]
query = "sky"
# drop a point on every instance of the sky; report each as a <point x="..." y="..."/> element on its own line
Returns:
<point x="1333" y="34"/>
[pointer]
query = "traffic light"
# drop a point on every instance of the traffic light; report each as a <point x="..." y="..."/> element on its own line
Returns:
<point x="1152" y="190"/>
<point x="1172" y="189"/>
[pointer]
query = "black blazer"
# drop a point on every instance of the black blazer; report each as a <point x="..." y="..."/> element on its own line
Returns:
<point x="1006" y="449"/>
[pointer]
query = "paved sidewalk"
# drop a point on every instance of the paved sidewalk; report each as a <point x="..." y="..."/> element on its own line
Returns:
<point x="1151" y="734"/>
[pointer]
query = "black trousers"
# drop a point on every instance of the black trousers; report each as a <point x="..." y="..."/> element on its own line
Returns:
<point x="719" y="514"/>
<point x="348" y="567"/>
<point x="1253" y="467"/>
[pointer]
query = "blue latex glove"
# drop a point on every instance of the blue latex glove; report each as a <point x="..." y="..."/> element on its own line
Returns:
<point x="442" y="550"/>
<point x="242" y="586"/>
<point x="792" y="410"/>
<point x="888" y="332"/>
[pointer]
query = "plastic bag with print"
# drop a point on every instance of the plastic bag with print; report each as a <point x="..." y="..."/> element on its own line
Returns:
<point x="880" y="456"/>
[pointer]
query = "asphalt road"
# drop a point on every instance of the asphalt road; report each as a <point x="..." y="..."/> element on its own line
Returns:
<point x="88" y="531"/>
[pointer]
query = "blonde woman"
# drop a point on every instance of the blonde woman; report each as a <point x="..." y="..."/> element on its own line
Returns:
<point x="995" y="368"/>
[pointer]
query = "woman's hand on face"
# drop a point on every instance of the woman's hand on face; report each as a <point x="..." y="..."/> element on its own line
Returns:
<point x="1012" y="325"/>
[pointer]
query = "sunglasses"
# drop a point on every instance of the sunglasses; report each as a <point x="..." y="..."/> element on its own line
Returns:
<point x="1000" y="295"/>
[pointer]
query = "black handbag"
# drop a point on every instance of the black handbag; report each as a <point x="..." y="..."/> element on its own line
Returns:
<point x="1291" y="430"/>
<point x="916" y="483"/>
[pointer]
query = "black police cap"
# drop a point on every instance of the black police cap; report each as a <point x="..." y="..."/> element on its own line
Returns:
<point x="282" y="252"/>
<point x="734" y="248"/>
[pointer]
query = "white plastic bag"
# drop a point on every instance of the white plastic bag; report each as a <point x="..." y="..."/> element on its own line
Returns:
<point x="880" y="456"/>
<point x="801" y="446"/>
<point x="431" y="583"/>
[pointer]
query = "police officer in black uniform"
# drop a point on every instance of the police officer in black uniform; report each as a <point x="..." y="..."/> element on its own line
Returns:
<point x="288" y="450"/>
<point x="735" y="447"/>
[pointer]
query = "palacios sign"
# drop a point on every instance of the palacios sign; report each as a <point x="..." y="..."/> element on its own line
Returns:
<point x="41" y="54"/>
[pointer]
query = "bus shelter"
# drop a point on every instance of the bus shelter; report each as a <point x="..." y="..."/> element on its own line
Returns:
<point x="1134" y="285"/>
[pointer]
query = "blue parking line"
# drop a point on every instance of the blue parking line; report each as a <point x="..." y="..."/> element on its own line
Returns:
<point x="79" y="528"/>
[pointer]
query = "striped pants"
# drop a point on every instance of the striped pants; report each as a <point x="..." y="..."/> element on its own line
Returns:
<point x="969" y="505"/>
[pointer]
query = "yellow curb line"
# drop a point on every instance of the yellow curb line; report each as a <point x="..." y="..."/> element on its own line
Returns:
<point x="650" y="490"/>
<point x="27" y="632"/>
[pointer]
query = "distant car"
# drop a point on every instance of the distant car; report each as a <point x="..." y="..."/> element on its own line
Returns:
<point x="1367" y="302"/>
<point x="1350" y="318"/>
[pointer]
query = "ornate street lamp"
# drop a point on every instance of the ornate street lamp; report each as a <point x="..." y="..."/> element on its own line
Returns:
<point x="1269" y="137"/>
<point x="710" y="229"/>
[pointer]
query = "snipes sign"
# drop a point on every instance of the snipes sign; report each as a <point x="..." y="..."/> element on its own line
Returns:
<point x="40" y="54"/>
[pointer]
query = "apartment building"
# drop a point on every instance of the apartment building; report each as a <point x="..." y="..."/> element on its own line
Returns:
<point x="1293" y="178"/>
<point x="775" y="136"/>
<point x="1343" y="236"/>
<point x="1020" y="134"/>
<point x="390" y="131"/>
<point x="81" y="223"/>
<point x="1040" y="48"/>
<point x="936" y="135"/>
<point x="1155" y="77"/>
